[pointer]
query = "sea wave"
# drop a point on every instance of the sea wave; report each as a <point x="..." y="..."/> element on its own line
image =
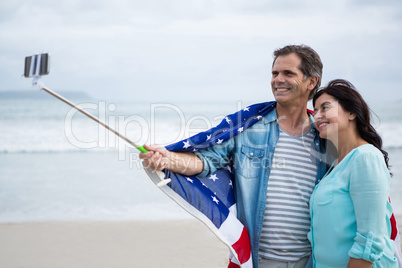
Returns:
<point x="101" y="150"/>
<point x="54" y="138"/>
<point x="55" y="151"/>
<point x="63" y="212"/>
<point x="391" y="134"/>
<point x="48" y="127"/>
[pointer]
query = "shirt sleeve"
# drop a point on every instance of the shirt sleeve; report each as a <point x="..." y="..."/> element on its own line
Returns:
<point x="369" y="190"/>
<point x="215" y="157"/>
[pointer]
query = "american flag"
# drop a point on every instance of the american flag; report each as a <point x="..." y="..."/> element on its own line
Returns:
<point x="211" y="199"/>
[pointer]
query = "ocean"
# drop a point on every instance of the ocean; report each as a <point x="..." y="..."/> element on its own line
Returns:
<point x="56" y="164"/>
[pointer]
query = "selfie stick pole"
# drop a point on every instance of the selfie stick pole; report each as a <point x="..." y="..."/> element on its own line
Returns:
<point x="36" y="82"/>
<point x="140" y="148"/>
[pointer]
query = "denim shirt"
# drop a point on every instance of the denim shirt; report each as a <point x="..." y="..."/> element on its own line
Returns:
<point x="252" y="152"/>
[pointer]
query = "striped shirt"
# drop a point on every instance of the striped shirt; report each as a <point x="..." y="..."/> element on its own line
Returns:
<point x="291" y="182"/>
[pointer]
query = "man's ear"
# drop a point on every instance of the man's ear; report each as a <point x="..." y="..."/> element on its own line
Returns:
<point x="313" y="80"/>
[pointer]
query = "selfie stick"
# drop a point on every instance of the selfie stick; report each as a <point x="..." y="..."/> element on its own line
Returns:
<point x="34" y="72"/>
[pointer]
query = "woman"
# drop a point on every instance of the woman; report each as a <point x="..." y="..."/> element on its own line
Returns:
<point x="350" y="212"/>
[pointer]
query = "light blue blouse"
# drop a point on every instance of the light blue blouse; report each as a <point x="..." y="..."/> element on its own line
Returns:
<point x="350" y="212"/>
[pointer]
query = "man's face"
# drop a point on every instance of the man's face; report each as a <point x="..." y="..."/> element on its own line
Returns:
<point x="288" y="82"/>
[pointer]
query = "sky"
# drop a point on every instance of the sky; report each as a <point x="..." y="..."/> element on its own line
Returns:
<point x="190" y="50"/>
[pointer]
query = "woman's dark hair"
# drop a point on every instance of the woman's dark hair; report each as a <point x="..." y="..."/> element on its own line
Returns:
<point x="351" y="100"/>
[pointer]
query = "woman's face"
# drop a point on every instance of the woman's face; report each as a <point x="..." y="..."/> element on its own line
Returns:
<point x="331" y="120"/>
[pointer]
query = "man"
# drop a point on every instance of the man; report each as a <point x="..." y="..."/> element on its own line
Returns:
<point x="277" y="163"/>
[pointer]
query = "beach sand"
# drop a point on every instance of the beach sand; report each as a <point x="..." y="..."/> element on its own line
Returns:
<point x="108" y="244"/>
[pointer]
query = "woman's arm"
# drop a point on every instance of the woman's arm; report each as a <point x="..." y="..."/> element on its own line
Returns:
<point x="369" y="190"/>
<point x="359" y="263"/>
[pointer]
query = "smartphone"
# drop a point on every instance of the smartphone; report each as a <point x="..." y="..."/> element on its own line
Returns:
<point x="36" y="65"/>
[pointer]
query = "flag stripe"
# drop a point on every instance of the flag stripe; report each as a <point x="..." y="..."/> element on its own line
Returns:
<point x="243" y="252"/>
<point x="233" y="265"/>
<point x="231" y="229"/>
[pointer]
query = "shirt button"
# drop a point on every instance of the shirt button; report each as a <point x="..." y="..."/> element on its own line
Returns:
<point x="251" y="154"/>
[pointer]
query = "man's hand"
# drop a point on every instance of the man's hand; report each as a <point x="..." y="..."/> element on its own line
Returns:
<point x="158" y="158"/>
